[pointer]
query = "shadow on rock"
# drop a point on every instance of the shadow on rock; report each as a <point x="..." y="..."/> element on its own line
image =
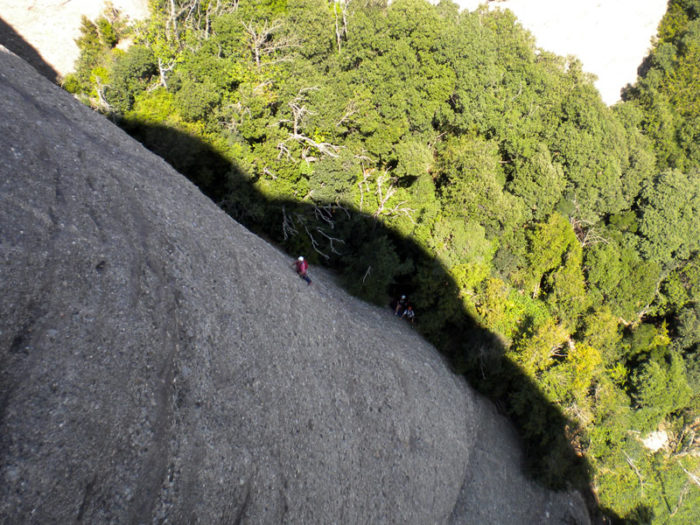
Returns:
<point x="375" y="263"/>
<point x="13" y="41"/>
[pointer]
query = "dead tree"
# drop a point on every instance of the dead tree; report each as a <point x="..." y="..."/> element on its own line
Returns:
<point x="258" y="36"/>
<point x="585" y="233"/>
<point x="383" y="195"/>
<point x="364" y="184"/>
<point x="288" y="229"/>
<point x="263" y="43"/>
<point x="191" y="14"/>
<point x="102" y="103"/>
<point x="163" y="70"/>
<point x="350" y="110"/>
<point x="215" y="10"/>
<point x="299" y="112"/>
<point x="341" y="21"/>
<point x="317" y="234"/>
<point x="636" y="471"/>
<point x="384" y="191"/>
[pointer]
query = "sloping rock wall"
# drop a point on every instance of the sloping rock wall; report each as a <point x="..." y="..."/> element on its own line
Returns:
<point x="160" y="362"/>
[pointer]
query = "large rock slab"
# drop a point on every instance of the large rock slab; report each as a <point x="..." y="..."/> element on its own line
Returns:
<point x="158" y="362"/>
<point x="52" y="26"/>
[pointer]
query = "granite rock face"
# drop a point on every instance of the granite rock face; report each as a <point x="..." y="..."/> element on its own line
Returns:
<point x="158" y="362"/>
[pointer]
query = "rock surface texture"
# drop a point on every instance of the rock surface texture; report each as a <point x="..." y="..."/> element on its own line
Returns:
<point x="158" y="362"/>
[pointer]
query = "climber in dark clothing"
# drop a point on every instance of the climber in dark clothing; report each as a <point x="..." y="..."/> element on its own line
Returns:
<point x="409" y="314"/>
<point x="400" y="306"/>
<point x="302" y="268"/>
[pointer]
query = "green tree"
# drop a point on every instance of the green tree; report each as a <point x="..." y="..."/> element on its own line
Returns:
<point x="659" y="388"/>
<point x="370" y="273"/>
<point x="91" y="55"/>
<point x="195" y="100"/>
<point x="130" y="75"/>
<point x="566" y="287"/>
<point x="669" y="210"/>
<point x="472" y="184"/>
<point x="668" y="89"/>
<point x="601" y="330"/>
<point x="537" y="349"/>
<point x="108" y="35"/>
<point x="549" y="244"/>
<point x="538" y="182"/>
<point x="682" y="286"/>
<point x="621" y="278"/>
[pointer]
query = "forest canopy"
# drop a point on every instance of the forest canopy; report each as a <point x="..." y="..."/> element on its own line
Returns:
<point x="568" y="229"/>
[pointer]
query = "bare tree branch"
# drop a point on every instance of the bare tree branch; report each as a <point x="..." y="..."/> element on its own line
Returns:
<point x="384" y="191"/>
<point x="324" y="213"/>
<point x="262" y="43"/>
<point x="288" y="229"/>
<point x="314" y="244"/>
<point x="324" y="147"/>
<point x="383" y="195"/>
<point x="586" y="233"/>
<point x="636" y="471"/>
<point x="101" y="101"/>
<point x="341" y="21"/>
<point x="683" y="493"/>
<point x="331" y="240"/>
<point x="350" y="110"/>
<point x="369" y="270"/>
<point x="163" y="70"/>
<point x="299" y="112"/>
<point x="341" y="207"/>
<point x="290" y="223"/>
<point x="364" y="184"/>
<point x="692" y="476"/>
<point x="284" y="150"/>
<point x="402" y="210"/>
<point x="306" y="157"/>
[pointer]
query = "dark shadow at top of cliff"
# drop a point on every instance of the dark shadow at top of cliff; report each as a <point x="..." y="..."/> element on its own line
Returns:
<point x="375" y="263"/>
<point x="13" y="41"/>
